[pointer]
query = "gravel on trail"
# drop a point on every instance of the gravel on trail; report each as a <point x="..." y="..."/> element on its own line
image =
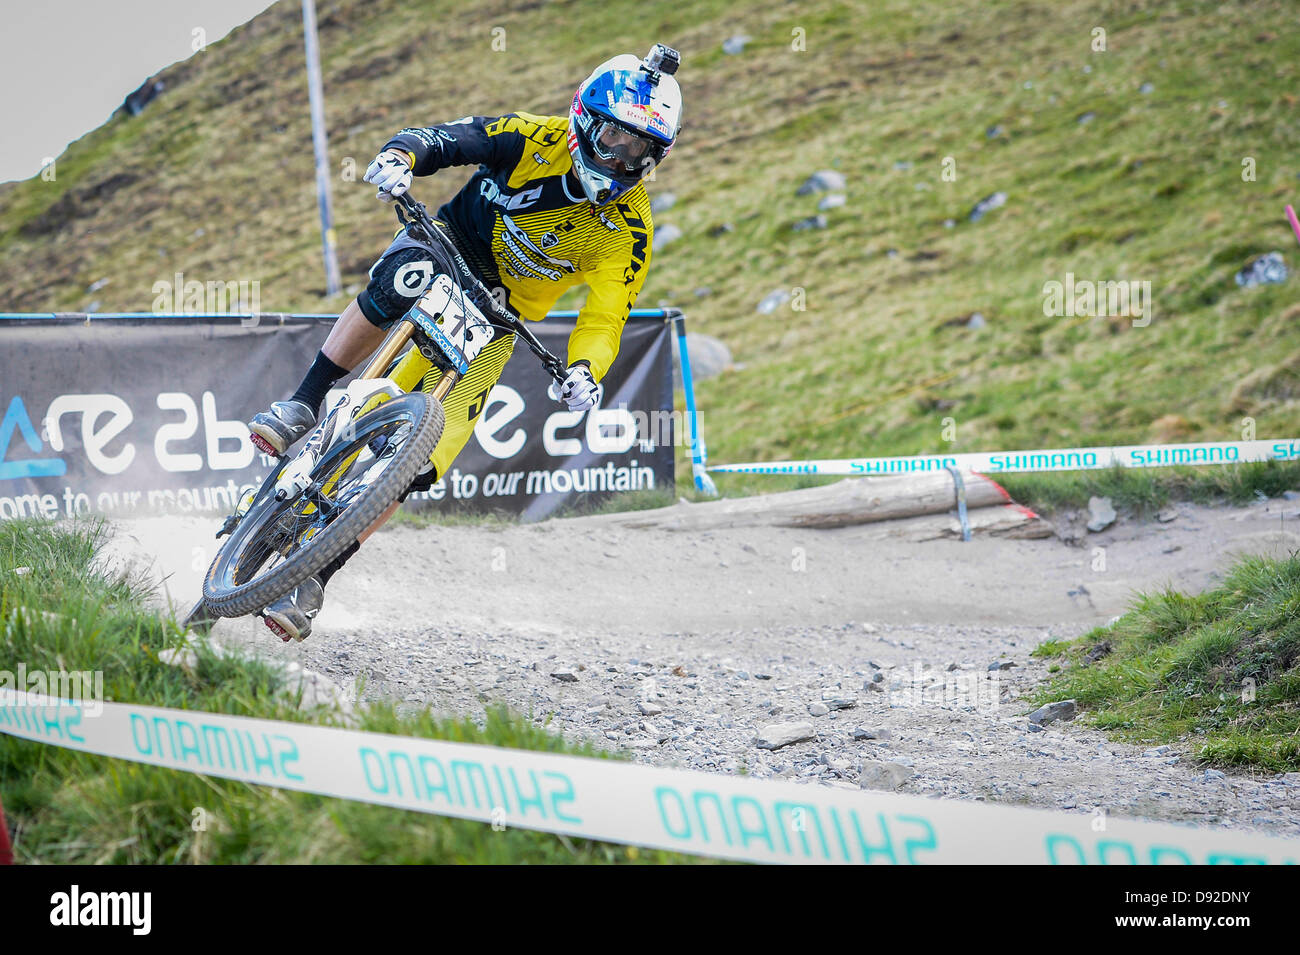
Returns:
<point x="830" y="657"/>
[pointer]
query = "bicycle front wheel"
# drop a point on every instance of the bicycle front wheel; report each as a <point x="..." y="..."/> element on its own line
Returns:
<point x="279" y="544"/>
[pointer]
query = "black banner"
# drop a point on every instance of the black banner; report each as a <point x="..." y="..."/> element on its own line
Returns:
<point x="147" y="416"/>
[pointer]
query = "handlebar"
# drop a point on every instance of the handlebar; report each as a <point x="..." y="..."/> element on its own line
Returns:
<point x="505" y="319"/>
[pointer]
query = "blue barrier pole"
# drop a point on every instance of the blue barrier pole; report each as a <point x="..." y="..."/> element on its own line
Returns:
<point x="699" y="454"/>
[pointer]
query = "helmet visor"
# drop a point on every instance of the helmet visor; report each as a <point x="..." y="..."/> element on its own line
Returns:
<point x="621" y="152"/>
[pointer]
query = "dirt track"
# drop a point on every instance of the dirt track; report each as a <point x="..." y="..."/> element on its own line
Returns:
<point x="726" y="631"/>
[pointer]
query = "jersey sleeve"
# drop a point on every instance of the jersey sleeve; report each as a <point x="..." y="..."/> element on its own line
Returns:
<point x="473" y="140"/>
<point x="614" y="287"/>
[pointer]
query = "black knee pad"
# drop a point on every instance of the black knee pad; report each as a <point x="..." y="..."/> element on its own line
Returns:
<point x="397" y="280"/>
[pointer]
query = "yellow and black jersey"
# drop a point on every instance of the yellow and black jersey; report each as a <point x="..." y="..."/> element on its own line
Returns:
<point x="524" y="209"/>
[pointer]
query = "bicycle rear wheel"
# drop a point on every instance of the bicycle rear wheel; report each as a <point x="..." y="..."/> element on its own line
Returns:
<point x="279" y="544"/>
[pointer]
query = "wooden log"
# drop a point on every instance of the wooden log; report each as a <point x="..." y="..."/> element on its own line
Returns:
<point x="845" y="503"/>
<point x="1006" y="520"/>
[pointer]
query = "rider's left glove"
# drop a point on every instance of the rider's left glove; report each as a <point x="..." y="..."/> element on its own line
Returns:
<point x="391" y="172"/>
<point x="579" y="390"/>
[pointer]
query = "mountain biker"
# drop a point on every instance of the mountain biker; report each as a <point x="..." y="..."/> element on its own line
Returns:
<point x="556" y="202"/>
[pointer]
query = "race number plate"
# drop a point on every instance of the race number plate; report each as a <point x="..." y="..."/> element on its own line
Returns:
<point x="452" y="322"/>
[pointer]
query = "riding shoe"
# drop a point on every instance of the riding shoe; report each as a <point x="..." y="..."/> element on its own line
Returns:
<point x="274" y="430"/>
<point x="290" y="617"/>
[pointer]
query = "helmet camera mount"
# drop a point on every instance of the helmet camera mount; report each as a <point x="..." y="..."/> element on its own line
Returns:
<point x="660" y="61"/>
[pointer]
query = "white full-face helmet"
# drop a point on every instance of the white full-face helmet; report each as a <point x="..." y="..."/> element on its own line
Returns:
<point x="624" y="118"/>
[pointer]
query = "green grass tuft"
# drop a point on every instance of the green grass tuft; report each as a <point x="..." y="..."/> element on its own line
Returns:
<point x="1050" y="648"/>
<point x="1218" y="671"/>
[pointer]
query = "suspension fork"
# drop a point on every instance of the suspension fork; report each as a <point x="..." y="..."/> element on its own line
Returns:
<point x="388" y="352"/>
<point x="380" y="364"/>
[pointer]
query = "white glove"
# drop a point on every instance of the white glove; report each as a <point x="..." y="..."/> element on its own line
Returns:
<point x="579" y="390"/>
<point x="391" y="172"/>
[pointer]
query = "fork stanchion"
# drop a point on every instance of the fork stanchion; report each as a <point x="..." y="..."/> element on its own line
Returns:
<point x="388" y="351"/>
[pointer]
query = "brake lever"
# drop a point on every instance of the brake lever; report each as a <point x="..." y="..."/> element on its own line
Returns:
<point x="419" y="218"/>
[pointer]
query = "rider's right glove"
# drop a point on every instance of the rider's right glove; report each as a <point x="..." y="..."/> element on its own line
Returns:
<point x="391" y="172"/>
<point x="579" y="390"/>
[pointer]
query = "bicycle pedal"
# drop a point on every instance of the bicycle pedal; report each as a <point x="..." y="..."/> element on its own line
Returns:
<point x="262" y="444"/>
<point x="275" y="628"/>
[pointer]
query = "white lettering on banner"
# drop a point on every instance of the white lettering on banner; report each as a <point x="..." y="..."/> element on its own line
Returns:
<point x="608" y="430"/>
<point x="29" y="505"/>
<point x="601" y="422"/>
<point x="217" y="430"/>
<point x="556" y="446"/>
<point x="95" y="439"/>
<point x="492" y="421"/>
<point x="731" y="817"/>
<point x="177" y="431"/>
<point x="92" y="440"/>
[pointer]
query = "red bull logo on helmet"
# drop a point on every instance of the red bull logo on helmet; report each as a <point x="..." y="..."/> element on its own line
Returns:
<point x="641" y="116"/>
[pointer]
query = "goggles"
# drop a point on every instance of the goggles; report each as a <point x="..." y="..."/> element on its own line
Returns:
<point x="621" y="151"/>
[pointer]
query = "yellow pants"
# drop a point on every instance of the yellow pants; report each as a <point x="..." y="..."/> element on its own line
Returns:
<point x="464" y="406"/>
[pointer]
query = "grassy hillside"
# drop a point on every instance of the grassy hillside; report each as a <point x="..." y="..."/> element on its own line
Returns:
<point x="1106" y="177"/>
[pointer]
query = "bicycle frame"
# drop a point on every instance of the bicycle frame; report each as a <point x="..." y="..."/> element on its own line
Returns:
<point x="293" y="477"/>
<point x="500" y="316"/>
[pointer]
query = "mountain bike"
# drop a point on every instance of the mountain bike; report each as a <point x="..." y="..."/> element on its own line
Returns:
<point x="364" y="454"/>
